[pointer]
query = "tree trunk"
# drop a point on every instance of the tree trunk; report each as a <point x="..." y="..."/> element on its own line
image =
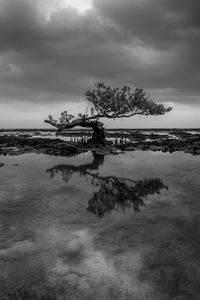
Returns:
<point x="98" y="136"/>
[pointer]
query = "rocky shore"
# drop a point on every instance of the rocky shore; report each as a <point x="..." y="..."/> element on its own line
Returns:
<point x="171" y="141"/>
<point x="15" y="145"/>
<point x="190" y="145"/>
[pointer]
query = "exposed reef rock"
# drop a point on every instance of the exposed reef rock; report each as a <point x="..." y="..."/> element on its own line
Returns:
<point x="177" y="140"/>
<point x="12" y="145"/>
<point x="190" y="145"/>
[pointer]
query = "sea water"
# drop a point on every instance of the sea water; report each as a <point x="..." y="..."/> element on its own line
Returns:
<point x="100" y="227"/>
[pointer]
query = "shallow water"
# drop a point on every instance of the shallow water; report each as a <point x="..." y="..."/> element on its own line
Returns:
<point x="88" y="227"/>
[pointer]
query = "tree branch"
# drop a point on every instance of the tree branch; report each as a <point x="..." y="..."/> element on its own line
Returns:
<point x="110" y="103"/>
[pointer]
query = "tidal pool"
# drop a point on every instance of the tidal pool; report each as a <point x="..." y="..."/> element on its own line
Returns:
<point x="100" y="227"/>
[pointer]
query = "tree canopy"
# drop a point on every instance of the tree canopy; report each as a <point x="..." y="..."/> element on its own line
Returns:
<point x="112" y="103"/>
<point x="120" y="103"/>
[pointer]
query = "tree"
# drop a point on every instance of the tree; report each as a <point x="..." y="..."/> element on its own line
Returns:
<point x="111" y="103"/>
<point x="112" y="193"/>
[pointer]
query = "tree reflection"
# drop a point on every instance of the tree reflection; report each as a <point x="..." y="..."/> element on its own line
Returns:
<point x="83" y="170"/>
<point x="113" y="192"/>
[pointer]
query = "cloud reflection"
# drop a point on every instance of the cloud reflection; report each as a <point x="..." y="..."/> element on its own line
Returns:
<point x="66" y="264"/>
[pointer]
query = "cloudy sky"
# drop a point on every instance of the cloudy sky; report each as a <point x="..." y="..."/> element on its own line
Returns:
<point x="52" y="51"/>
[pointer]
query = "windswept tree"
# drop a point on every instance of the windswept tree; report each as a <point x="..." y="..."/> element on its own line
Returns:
<point x="111" y="103"/>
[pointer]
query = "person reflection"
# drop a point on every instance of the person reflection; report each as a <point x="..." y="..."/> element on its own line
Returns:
<point x="113" y="193"/>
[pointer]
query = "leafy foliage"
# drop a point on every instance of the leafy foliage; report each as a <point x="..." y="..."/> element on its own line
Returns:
<point x="110" y="103"/>
<point x="66" y="118"/>
<point x="115" y="103"/>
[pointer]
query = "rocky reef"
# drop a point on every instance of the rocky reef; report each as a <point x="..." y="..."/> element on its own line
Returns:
<point x="171" y="141"/>
<point x="13" y="145"/>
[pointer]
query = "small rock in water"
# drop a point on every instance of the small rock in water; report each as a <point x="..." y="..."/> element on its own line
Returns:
<point x="1" y="164"/>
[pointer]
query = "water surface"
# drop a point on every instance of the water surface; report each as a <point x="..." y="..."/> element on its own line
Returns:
<point x="86" y="227"/>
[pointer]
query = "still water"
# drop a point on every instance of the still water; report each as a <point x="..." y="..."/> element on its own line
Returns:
<point x="92" y="227"/>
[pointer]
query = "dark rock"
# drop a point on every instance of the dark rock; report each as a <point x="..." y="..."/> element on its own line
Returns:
<point x="1" y="164"/>
<point x="155" y="148"/>
<point x="129" y="148"/>
<point x="13" y="145"/>
<point x="197" y="151"/>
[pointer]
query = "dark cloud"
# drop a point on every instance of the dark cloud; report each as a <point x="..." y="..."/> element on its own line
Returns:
<point x="147" y="43"/>
<point x="172" y="28"/>
<point x="155" y="23"/>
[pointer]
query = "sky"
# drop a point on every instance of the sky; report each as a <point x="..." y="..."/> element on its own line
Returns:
<point x="53" y="51"/>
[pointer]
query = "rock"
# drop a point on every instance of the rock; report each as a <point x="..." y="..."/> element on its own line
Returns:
<point x="1" y="164"/>
<point x="130" y="148"/>
<point x="13" y="145"/>
<point x="197" y="152"/>
<point x="16" y="145"/>
<point x="155" y="148"/>
<point x="103" y="152"/>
